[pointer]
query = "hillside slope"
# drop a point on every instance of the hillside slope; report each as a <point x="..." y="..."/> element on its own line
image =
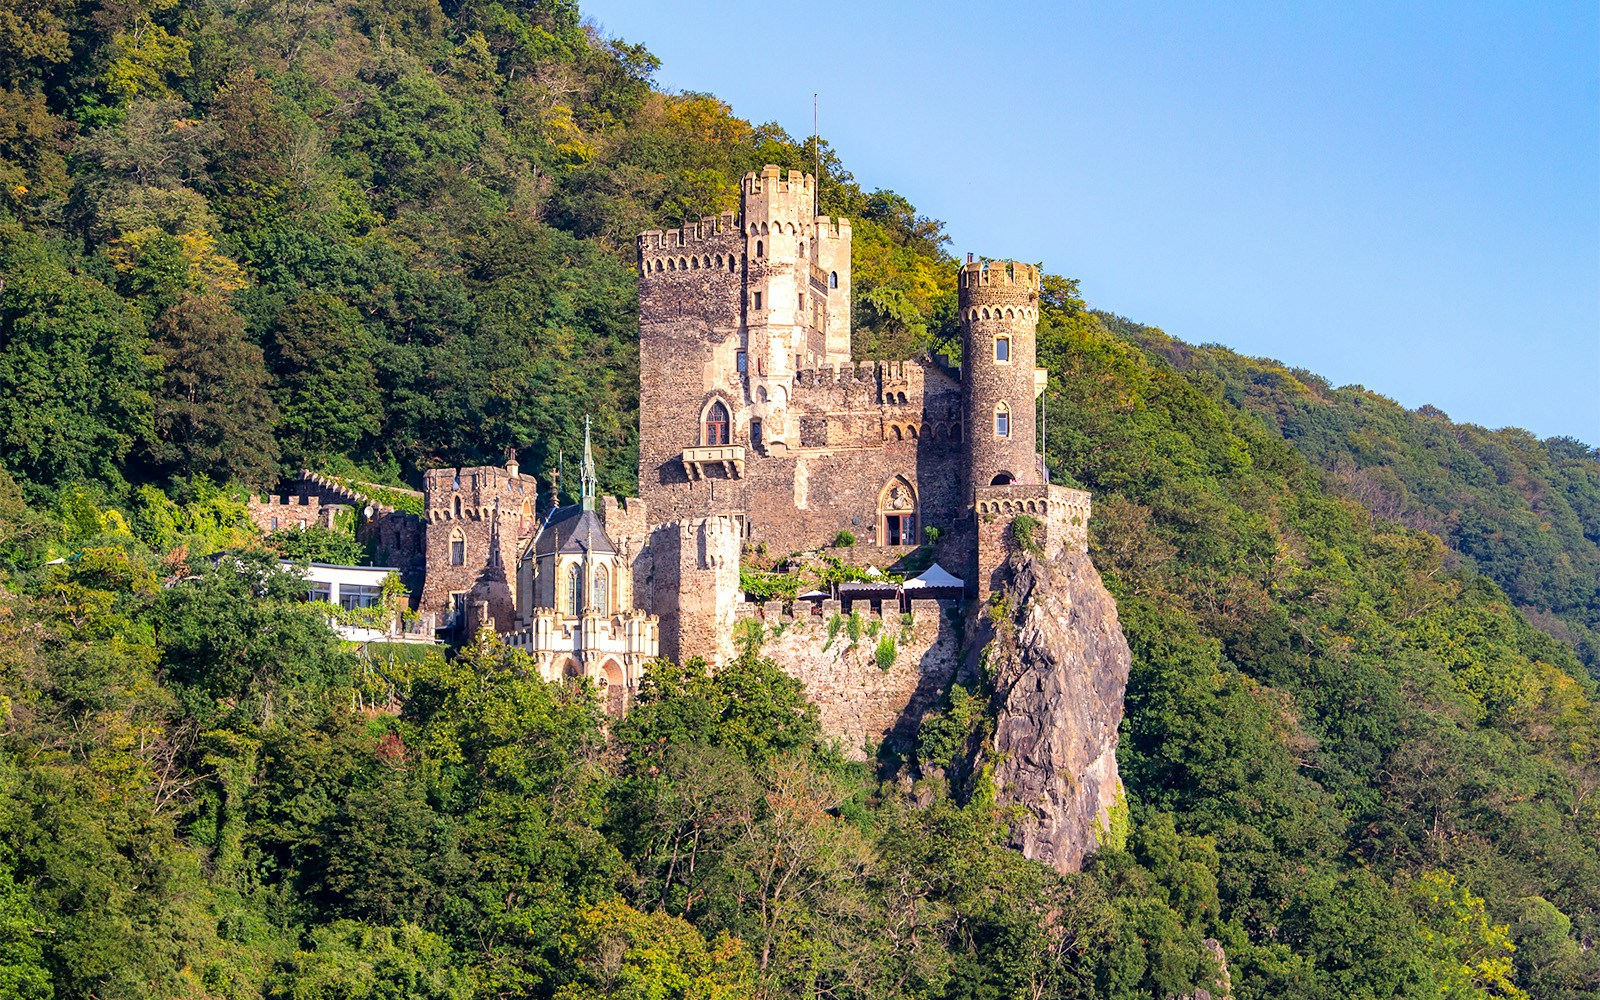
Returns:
<point x="1525" y="512"/>
<point x="376" y="235"/>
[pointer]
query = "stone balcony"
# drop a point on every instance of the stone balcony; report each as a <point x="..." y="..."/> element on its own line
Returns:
<point x="730" y="457"/>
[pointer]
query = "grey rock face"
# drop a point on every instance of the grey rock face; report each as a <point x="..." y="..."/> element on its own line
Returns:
<point x="1061" y="669"/>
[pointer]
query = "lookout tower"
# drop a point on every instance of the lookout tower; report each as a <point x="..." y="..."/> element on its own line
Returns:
<point x="999" y="303"/>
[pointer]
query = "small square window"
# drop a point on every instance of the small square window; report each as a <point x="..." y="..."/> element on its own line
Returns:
<point x="1002" y="348"/>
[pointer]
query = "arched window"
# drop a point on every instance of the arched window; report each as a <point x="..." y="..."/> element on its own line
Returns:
<point x="761" y="394"/>
<point x="602" y="590"/>
<point x="1003" y="479"/>
<point x="574" y="591"/>
<point x="1002" y="420"/>
<point x="897" y="513"/>
<point x="716" y="429"/>
<point x="833" y="279"/>
<point x="458" y="547"/>
<point x="761" y="250"/>
<point x="458" y="507"/>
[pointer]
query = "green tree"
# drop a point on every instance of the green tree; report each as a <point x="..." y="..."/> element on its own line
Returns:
<point x="75" y="369"/>
<point x="213" y="415"/>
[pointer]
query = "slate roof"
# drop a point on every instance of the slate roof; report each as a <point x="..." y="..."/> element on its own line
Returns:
<point x="573" y="529"/>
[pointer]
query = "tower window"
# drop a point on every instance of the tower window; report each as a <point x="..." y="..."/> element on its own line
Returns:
<point x="741" y="362"/>
<point x="761" y="251"/>
<point x="755" y="434"/>
<point x="833" y="279"/>
<point x="758" y="300"/>
<point x="1002" y="348"/>
<point x="716" y="430"/>
<point x="1002" y="421"/>
<point x="458" y="548"/>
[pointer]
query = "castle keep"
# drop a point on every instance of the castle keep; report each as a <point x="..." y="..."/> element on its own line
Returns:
<point x="756" y="429"/>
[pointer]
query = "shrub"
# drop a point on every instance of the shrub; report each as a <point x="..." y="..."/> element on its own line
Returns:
<point x="885" y="652"/>
<point x="844" y="539"/>
<point x="1022" y="532"/>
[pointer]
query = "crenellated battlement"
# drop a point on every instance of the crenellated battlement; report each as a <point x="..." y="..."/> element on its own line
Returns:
<point x="832" y="229"/>
<point x="998" y="273"/>
<point x="857" y="371"/>
<point x="691" y="234"/>
<point x="770" y="180"/>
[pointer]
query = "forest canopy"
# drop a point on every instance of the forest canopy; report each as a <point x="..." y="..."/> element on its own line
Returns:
<point x="243" y="237"/>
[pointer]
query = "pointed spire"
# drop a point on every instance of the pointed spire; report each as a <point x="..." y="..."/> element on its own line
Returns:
<point x="588" y="469"/>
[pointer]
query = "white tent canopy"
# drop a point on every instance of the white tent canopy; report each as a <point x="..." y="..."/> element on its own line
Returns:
<point x="934" y="576"/>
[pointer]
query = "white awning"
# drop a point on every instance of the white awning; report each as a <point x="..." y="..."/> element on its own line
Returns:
<point x="934" y="576"/>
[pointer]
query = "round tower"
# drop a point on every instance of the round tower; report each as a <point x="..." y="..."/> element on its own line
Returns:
<point x="999" y="303"/>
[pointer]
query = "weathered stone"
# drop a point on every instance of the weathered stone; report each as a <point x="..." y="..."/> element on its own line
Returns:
<point x="860" y="703"/>
<point x="1061" y="667"/>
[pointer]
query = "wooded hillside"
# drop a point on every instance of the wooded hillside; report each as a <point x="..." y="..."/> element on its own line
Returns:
<point x="242" y="236"/>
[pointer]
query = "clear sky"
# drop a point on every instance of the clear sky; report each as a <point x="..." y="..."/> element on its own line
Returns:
<point x="1403" y="196"/>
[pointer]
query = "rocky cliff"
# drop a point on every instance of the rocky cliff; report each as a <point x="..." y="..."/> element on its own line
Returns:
<point x="1060" y="667"/>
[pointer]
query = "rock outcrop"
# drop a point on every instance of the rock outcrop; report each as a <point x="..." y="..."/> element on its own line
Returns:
<point x="1060" y="664"/>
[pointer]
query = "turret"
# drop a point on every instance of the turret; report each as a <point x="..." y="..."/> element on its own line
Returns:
<point x="999" y="303"/>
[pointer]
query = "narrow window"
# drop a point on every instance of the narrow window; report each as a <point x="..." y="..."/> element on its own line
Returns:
<point x="741" y="362"/>
<point x="761" y="251"/>
<point x="458" y="552"/>
<point x="602" y="591"/>
<point x="717" y="424"/>
<point x="758" y="300"/>
<point x="458" y="506"/>
<point x="574" y="591"/>
<point x="833" y="279"/>
<point x="1002" y="348"/>
<point x="800" y="302"/>
<point x="274" y="525"/>
<point x="1002" y="421"/>
<point x="755" y="433"/>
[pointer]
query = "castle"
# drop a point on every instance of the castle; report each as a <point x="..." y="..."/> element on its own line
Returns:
<point x="756" y="429"/>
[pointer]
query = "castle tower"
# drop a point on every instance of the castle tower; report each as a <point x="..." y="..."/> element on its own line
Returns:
<point x="476" y="521"/>
<point x="999" y="303"/>
<point x="730" y="309"/>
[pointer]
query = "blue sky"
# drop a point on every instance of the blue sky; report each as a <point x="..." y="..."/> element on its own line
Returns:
<point x="1402" y="196"/>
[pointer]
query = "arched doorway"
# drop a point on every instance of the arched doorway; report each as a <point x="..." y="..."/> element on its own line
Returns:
<point x="897" y="512"/>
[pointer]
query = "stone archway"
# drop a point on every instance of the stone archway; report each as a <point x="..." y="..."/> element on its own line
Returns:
<point x="613" y="683"/>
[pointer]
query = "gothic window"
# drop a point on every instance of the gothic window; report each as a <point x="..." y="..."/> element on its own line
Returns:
<point x="574" y="591"/>
<point x="761" y="250"/>
<point x="602" y="591"/>
<point x="458" y="507"/>
<point x="1002" y="420"/>
<point x="458" y="548"/>
<point x="1002" y="349"/>
<point x="833" y="279"/>
<point x="897" y="513"/>
<point x="761" y="394"/>
<point x="717" y="424"/>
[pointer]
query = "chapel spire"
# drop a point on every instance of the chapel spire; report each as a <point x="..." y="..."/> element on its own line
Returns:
<point x="588" y="469"/>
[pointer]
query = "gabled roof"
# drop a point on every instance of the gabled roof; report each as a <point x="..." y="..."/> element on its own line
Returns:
<point x="934" y="576"/>
<point x="573" y="529"/>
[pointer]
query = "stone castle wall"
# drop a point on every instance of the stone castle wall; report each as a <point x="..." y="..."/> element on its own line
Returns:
<point x="1062" y="527"/>
<point x="859" y="702"/>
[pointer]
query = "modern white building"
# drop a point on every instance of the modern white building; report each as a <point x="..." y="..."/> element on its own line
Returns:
<point x="357" y="588"/>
